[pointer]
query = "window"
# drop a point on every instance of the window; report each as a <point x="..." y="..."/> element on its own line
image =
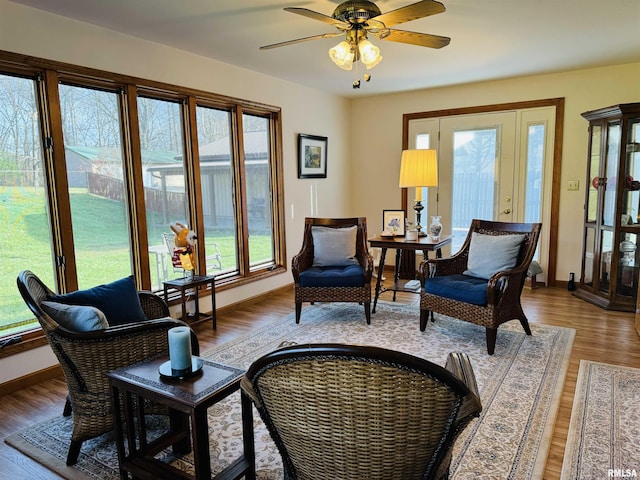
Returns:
<point x="25" y="238"/>
<point x="258" y="187"/>
<point x="164" y="180"/>
<point x="216" y="177"/>
<point x="124" y="158"/>
<point x="93" y="154"/>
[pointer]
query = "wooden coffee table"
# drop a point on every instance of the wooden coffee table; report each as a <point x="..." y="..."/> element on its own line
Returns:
<point x="188" y="400"/>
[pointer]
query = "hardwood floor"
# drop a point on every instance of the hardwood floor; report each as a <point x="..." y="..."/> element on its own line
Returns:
<point x="601" y="335"/>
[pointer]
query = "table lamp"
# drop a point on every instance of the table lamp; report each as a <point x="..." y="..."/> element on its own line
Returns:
<point x="419" y="168"/>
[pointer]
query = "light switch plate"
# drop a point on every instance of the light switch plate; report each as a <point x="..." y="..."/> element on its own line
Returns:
<point x="574" y="185"/>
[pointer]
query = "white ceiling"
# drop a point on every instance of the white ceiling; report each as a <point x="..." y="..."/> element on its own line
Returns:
<point x="490" y="39"/>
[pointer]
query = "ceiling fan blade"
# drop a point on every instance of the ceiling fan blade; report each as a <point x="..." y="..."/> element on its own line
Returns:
<point x="414" y="11"/>
<point x="299" y="40"/>
<point x="305" y="12"/>
<point x="415" y="38"/>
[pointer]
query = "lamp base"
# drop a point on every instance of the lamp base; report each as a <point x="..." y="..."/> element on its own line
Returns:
<point x="418" y="207"/>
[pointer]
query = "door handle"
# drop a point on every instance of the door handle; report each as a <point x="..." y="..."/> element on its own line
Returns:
<point x="506" y="211"/>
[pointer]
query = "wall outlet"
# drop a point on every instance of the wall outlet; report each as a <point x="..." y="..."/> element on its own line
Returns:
<point x="574" y="185"/>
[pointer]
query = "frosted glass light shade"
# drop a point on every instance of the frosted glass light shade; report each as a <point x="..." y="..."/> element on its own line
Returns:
<point x="342" y="55"/>
<point x="369" y="53"/>
<point x="419" y="168"/>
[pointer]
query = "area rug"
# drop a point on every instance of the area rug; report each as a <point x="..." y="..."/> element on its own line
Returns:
<point x="604" y="430"/>
<point x="520" y="387"/>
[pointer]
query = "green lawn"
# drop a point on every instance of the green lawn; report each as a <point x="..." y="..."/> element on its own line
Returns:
<point x="101" y="241"/>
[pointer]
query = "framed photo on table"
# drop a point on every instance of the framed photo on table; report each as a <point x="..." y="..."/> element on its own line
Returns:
<point x="393" y="221"/>
<point x="312" y="156"/>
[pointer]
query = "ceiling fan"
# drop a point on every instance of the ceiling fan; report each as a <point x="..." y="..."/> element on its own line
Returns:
<point x="356" y="19"/>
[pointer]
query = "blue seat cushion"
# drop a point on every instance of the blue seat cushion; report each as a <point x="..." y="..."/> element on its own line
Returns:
<point x="463" y="288"/>
<point x="349" y="276"/>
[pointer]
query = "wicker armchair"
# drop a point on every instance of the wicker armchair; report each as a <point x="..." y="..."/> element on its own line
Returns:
<point x="86" y="357"/>
<point x="361" y="412"/>
<point x="320" y="284"/>
<point x="496" y="300"/>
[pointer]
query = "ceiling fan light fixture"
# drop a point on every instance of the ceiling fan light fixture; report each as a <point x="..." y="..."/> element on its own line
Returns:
<point x="369" y="53"/>
<point x="342" y="55"/>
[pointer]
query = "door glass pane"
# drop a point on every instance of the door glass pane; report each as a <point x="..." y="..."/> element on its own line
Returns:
<point x="423" y="142"/>
<point x="23" y="201"/>
<point x="534" y="162"/>
<point x="216" y="170"/>
<point x="162" y="145"/>
<point x="93" y="151"/>
<point x="258" y="187"/>
<point x="594" y="173"/>
<point x="613" y="153"/>
<point x="474" y="169"/>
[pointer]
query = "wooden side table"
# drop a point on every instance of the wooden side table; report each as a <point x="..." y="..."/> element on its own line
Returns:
<point x="193" y="284"/>
<point x="400" y="244"/>
<point x="188" y="400"/>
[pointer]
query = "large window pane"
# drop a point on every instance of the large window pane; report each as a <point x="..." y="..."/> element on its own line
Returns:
<point x="93" y="151"/>
<point x="25" y="239"/>
<point x="216" y="170"/>
<point x="258" y="187"/>
<point x="162" y="145"/>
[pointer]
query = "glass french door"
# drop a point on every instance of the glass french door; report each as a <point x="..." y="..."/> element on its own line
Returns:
<point x="490" y="166"/>
<point x="477" y="168"/>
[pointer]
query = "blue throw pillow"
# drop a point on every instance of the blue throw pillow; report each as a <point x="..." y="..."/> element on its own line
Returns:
<point x="117" y="300"/>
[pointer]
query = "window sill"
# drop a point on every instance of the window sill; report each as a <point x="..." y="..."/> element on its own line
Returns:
<point x="29" y="341"/>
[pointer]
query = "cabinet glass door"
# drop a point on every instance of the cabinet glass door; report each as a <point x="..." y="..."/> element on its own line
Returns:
<point x="594" y="172"/>
<point x="606" y="244"/>
<point x="611" y="182"/>
<point x="631" y="194"/>
<point x="627" y="283"/>
<point x="589" y="257"/>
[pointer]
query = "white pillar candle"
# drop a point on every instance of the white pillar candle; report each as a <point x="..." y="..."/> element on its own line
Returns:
<point x="180" y="348"/>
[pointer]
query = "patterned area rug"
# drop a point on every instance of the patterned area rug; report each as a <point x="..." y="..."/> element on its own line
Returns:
<point x="519" y="385"/>
<point x="604" y="430"/>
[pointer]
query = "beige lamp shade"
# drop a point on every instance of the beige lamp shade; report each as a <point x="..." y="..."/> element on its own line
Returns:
<point x="419" y="168"/>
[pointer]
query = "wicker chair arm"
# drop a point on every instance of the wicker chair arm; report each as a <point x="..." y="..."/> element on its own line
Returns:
<point x="442" y="266"/>
<point x="106" y="335"/>
<point x="153" y="305"/>
<point x="247" y="387"/>
<point x="366" y="262"/>
<point x="301" y="262"/>
<point x="459" y="365"/>
<point x="505" y="282"/>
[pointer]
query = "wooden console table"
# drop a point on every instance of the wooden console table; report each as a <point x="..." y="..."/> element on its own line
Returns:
<point x="400" y="244"/>
<point x="183" y="285"/>
<point x="188" y="400"/>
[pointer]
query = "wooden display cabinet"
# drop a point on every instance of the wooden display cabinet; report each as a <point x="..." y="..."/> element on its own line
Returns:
<point x="610" y="256"/>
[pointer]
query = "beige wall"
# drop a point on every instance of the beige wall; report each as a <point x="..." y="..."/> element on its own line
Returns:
<point x="304" y="110"/>
<point x="377" y="138"/>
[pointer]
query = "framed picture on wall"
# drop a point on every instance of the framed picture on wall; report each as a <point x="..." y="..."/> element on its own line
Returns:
<point x="393" y="221"/>
<point x="312" y="156"/>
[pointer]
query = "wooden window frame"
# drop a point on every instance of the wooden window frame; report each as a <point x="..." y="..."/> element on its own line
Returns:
<point x="51" y="73"/>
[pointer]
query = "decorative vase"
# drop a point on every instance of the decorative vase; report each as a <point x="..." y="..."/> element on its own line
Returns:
<point x="435" y="228"/>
